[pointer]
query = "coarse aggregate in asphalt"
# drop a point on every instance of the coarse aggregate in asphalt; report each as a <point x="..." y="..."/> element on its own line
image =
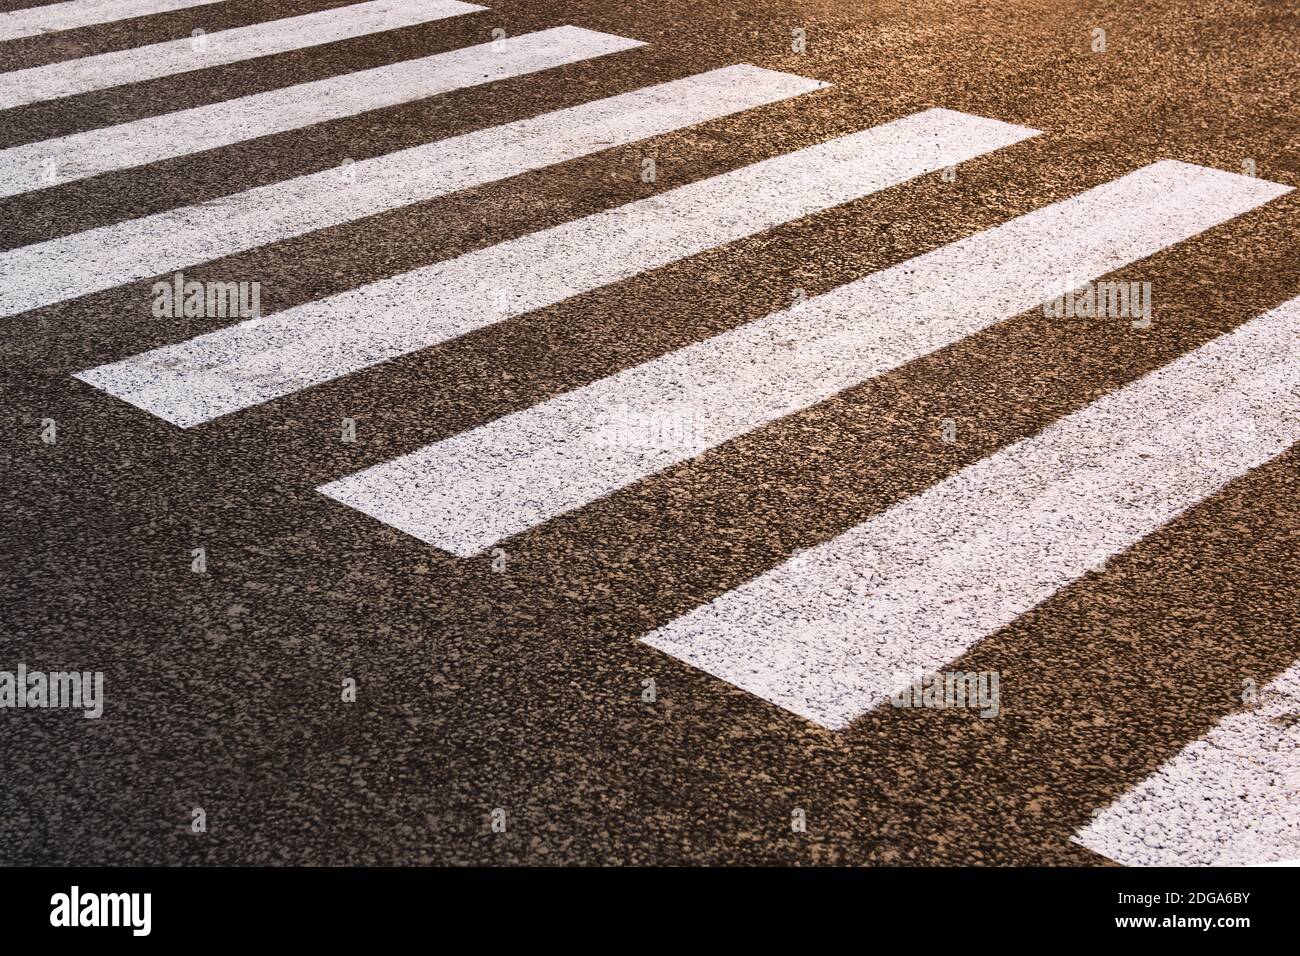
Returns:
<point x="522" y="690"/>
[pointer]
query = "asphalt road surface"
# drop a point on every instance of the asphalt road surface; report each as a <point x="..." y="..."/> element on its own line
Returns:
<point x="565" y="432"/>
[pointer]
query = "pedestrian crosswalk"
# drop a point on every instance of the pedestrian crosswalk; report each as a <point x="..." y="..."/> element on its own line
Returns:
<point x="1231" y="798"/>
<point x="837" y="629"/>
<point x="71" y="14"/>
<point x="82" y="155"/>
<point x="841" y="627"/>
<point x="248" y="364"/>
<point x="466" y="493"/>
<point x="98" y="259"/>
<point x="201" y="50"/>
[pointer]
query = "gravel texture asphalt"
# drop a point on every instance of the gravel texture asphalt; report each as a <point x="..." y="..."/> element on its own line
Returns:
<point x="523" y="690"/>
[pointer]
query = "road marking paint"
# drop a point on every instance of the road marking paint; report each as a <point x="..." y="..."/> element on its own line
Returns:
<point x="105" y="70"/>
<point x="838" y="628"/>
<point x="1231" y="798"/>
<point x="81" y="155"/>
<point x="55" y="17"/>
<point x="247" y="364"/>
<point x="467" y="492"/>
<point x="101" y="258"/>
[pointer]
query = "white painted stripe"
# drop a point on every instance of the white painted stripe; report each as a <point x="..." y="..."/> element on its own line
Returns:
<point x="28" y="167"/>
<point x="1231" y="798"/>
<point x="55" y="17"/>
<point x="467" y="492"/>
<point x="838" y="628"/>
<point x="106" y="70"/>
<point x="101" y="258"/>
<point x="250" y="363"/>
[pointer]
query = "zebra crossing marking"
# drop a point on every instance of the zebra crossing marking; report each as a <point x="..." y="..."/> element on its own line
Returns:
<point x="253" y="362"/>
<point x="72" y="14"/>
<point x="98" y="259"/>
<point x="467" y="492"/>
<point x="838" y="628"/>
<point x="1231" y="798"/>
<point x="106" y="70"/>
<point x="81" y="155"/>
